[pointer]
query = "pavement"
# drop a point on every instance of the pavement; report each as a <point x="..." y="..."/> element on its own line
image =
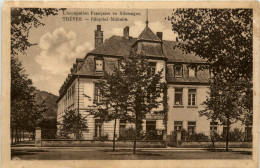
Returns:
<point x="106" y="153"/>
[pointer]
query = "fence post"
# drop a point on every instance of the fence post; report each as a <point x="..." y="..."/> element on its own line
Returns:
<point x="178" y="138"/>
<point x="38" y="137"/>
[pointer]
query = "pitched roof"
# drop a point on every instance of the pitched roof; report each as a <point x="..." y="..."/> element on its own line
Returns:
<point x="115" y="45"/>
<point x="175" y="54"/>
<point x="120" y="46"/>
<point x="148" y="34"/>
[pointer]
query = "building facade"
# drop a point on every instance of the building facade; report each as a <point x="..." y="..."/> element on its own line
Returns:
<point x="187" y="86"/>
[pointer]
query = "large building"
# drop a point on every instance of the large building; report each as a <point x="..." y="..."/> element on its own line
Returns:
<point x="187" y="87"/>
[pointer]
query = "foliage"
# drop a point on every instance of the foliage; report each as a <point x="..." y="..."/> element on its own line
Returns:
<point x="236" y="135"/>
<point x="48" y="133"/>
<point x="72" y="123"/>
<point x="130" y="91"/>
<point x="49" y="100"/>
<point x="144" y="88"/>
<point x="103" y="138"/>
<point x="25" y="113"/>
<point x="22" y="20"/>
<point x="48" y="123"/>
<point x="223" y="37"/>
<point x="114" y="93"/>
<point x="194" y="137"/>
<point x="152" y="135"/>
<point x="128" y="134"/>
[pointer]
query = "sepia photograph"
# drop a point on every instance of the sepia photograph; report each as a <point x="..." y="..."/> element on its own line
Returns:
<point x="124" y="84"/>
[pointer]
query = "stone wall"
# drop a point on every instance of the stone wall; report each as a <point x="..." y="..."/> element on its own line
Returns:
<point x="93" y="143"/>
<point x="209" y="144"/>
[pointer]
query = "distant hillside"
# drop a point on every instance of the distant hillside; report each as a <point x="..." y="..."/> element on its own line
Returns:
<point x="50" y="102"/>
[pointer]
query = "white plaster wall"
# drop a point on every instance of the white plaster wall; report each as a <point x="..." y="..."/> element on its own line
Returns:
<point x="186" y="114"/>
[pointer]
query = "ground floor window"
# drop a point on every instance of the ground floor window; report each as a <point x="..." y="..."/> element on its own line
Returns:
<point x="150" y="126"/>
<point x="177" y="125"/>
<point x="224" y="131"/>
<point x="248" y="131"/>
<point x="122" y="127"/>
<point x="98" y="128"/>
<point x="191" y="127"/>
<point x="214" y="126"/>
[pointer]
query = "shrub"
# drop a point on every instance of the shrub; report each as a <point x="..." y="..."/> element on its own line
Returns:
<point x="128" y="134"/>
<point x="103" y="138"/>
<point x="48" y="133"/>
<point x="195" y="137"/>
<point x="236" y="135"/>
<point x="152" y="135"/>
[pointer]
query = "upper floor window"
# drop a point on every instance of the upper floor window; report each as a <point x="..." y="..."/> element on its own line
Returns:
<point x="99" y="64"/>
<point x="96" y="93"/>
<point x="121" y="65"/>
<point x="192" y="72"/>
<point x="177" y="71"/>
<point x="152" y="68"/>
<point x="192" y="97"/>
<point x="178" y="96"/>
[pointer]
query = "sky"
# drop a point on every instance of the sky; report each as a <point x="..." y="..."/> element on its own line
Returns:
<point x="61" y="40"/>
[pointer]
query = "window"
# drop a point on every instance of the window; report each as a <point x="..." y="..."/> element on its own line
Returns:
<point x="122" y="127"/>
<point x="96" y="93"/>
<point x="177" y="125"/>
<point x="150" y="126"/>
<point x="98" y="128"/>
<point x="213" y="126"/>
<point x="99" y="64"/>
<point x="224" y="130"/>
<point x="152" y="68"/>
<point x="192" y="97"/>
<point x="178" y="71"/>
<point x="178" y="96"/>
<point x="248" y="131"/>
<point x="121" y="65"/>
<point x="192" y="72"/>
<point x="191" y="127"/>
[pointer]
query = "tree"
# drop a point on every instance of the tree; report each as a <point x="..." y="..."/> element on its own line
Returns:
<point x="145" y="89"/>
<point x="113" y="99"/>
<point x="22" y="97"/>
<point x="22" y="20"/>
<point x="130" y="92"/>
<point x="72" y="123"/>
<point x="223" y="104"/>
<point x="223" y="37"/>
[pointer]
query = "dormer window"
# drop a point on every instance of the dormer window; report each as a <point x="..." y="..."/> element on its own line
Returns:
<point x="192" y="72"/>
<point x="99" y="64"/>
<point x="178" y="71"/>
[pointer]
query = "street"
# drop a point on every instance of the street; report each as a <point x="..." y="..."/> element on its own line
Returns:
<point x="106" y="153"/>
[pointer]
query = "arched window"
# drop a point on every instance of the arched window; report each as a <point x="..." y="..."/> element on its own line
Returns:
<point x="178" y="71"/>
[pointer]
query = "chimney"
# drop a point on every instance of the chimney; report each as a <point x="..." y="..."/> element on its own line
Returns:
<point x="126" y="32"/>
<point x="98" y="36"/>
<point x="159" y="34"/>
